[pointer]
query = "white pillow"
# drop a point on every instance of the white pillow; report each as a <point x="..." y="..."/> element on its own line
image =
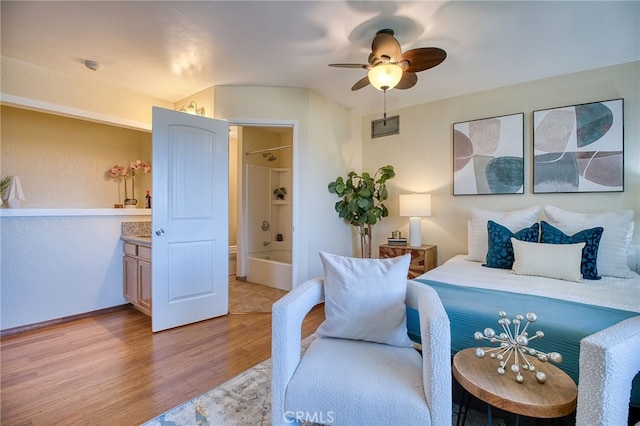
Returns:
<point x="559" y="261"/>
<point x="477" y="231"/>
<point x="614" y="244"/>
<point x="365" y="299"/>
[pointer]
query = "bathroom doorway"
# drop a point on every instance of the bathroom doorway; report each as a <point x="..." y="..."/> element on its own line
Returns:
<point x="261" y="211"/>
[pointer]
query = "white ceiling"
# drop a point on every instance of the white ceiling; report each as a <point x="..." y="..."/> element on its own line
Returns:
<point x="170" y="50"/>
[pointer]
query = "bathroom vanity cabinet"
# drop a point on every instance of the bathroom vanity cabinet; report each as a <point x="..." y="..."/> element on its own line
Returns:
<point x="137" y="276"/>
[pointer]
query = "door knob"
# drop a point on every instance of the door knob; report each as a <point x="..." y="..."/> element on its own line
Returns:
<point x="159" y="231"/>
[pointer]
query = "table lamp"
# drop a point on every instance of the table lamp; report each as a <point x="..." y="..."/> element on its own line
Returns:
<point x="414" y="206"/>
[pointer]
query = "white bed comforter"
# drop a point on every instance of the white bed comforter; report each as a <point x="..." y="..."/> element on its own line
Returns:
<point x="616" y="293"/>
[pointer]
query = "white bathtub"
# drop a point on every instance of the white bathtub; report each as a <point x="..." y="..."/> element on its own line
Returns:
<point x="271" y="268"/>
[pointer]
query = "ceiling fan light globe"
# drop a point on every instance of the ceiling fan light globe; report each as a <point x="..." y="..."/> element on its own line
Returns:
<point x="385" y="76"/>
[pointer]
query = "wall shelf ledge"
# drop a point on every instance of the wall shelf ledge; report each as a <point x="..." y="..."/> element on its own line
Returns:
<point x="73" y="212"/>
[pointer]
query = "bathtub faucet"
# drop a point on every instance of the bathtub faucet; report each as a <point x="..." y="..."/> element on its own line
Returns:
<point x="266" y="243"/>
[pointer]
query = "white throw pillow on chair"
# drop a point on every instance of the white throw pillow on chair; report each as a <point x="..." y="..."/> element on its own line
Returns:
<point x="365" y="299"/>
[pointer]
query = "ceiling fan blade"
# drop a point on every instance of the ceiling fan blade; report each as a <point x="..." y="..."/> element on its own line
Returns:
<point x="409" y="79"/>
<point x="385" y="44"/>
<point x="363" y="82"/>
<point x="423" y="58"/>
<point x="361" y="66"/>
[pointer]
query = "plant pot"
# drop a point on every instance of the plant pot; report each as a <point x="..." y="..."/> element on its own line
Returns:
<point x="130" y="203"/>
<point x="15" y="203"/>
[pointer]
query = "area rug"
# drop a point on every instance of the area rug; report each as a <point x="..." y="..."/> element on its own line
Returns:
<point x="245" y="400"/>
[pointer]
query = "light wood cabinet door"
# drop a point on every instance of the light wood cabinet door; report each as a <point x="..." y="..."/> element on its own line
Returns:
<point x="137" y="276"/>
<point x="144" y="286"/>
<point x="130" y="266"/>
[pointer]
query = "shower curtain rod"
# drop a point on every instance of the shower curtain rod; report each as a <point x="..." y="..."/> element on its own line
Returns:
<point x="268" y="149"/>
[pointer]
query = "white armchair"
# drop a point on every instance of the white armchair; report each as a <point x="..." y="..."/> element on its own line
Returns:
<point x="609" y="360"/>
<point x="353" y="382"/>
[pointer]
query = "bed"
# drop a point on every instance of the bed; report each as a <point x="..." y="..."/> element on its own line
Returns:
<point x="567" y="311"/>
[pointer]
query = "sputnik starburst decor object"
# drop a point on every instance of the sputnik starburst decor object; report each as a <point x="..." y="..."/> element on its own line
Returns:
<point x="515" y="344"/>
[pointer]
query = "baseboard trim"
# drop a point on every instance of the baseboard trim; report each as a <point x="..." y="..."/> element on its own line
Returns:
<point x="56" y="321"/>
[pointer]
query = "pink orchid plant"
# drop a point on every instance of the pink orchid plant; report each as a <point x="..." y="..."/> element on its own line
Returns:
<point x="123" y="172"/>
<point x="118" y="171"/>
<point x="139" y="164"/>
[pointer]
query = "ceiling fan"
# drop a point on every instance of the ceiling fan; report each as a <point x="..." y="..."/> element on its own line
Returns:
<point x="389" y="68"/>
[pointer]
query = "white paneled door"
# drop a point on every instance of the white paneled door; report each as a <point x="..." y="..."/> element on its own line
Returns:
<point x="190" y="233"/>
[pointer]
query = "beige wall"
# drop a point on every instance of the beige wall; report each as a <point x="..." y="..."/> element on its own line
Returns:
<point x="334" y="146"/>
<point x="62" y="161"/>
<point x="73" y="95"/>
<point x="233" y="186"/>
<point x="422" y="152"/>
<point x="256" y="138"/>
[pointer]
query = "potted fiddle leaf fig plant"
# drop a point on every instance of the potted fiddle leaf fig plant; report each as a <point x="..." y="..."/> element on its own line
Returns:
<point x="362" y="201"/>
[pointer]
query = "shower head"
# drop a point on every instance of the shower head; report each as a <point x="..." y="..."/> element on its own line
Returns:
<point x="269" y="156"/>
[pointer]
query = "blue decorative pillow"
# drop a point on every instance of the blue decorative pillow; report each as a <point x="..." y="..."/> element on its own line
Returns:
<point x="500" y="253"/>
<point x="588" y="265"/>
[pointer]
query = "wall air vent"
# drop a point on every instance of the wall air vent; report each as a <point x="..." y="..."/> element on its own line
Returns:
<point x="385" y="127"/>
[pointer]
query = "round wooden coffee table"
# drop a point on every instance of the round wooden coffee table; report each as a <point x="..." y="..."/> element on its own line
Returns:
<point x="478" y="376"/>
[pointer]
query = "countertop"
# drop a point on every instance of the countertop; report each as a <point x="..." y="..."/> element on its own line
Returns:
<point x="143" y="240"/>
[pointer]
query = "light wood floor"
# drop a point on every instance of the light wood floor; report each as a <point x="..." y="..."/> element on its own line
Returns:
<point x="112" y="370"/>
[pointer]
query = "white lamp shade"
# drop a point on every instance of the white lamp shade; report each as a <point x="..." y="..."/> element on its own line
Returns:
<point x="385" y="76"/>
<point x="415" y="205"/>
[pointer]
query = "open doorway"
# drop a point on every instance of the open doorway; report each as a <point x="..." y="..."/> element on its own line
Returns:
<point x="261" y="206"/>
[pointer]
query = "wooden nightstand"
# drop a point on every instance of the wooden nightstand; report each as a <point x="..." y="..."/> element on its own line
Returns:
<point x="423" y="258"/>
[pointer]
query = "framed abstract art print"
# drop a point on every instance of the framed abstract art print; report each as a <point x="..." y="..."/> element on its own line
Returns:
<point x="579" y="148"/>
<point x="488" y="156"/>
